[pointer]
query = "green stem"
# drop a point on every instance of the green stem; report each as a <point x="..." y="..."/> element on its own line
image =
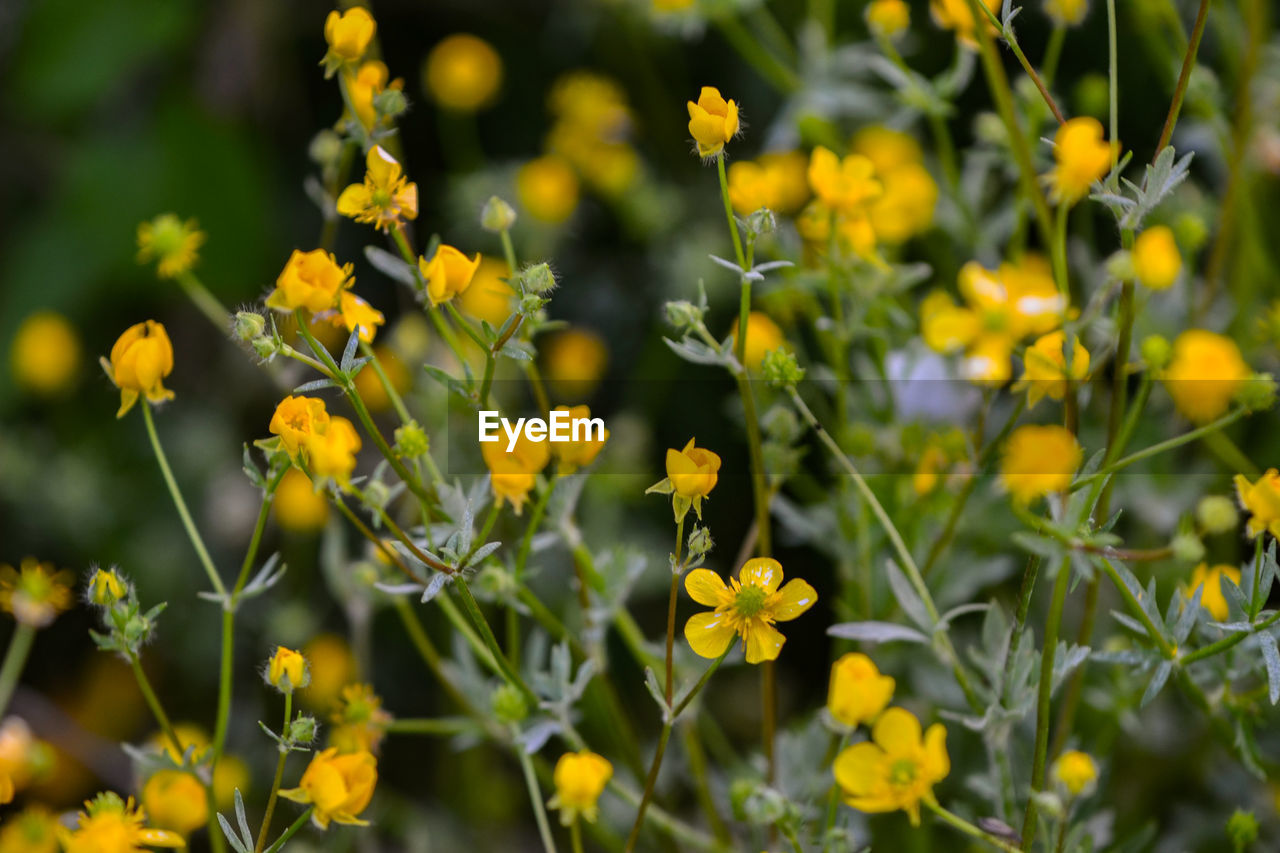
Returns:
<point x="208" y="304"/>
<point x="486" y="634"/>
<point x="1060" y="256"/>
<point x="291" y="831"/>
<point x="969" y="829"/>
<point x="1184" y="77"/>
<point x="535" y="794"/>
<point x="429" y="726"/>
<point x="275" y="782"/>
<point x="772" y="69"/>
<point x="1113" y="73"/>
<point x="427" y="651"/>
<point x="575" y="836"/>
<point x="1011" y="40"/>
<point x="1053" y="52"/>
<point x="15" y="658"/>
<point x="1160" y="447"/>
<point x="157" y="710"/>
<point x="1048" y="652"/>
<point x="397" y="402"/>
<point x="1230" y="641"/>
<point x="728" y="212"/>
<point x="669" y="689"/>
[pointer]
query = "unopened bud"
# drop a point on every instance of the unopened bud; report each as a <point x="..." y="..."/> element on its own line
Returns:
<point x="497" y="215"/>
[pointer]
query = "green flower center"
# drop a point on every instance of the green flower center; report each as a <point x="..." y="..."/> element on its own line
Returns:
<point x="750" y="600"/>
<point x="903" y="772"/>
<point x="382" y="197"/>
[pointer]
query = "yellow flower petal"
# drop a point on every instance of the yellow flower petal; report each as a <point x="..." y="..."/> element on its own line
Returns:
<point x="763" y="572"/>
<point x="857" y="769"/>
<point x="709" y="634"/>
<point x="897" y="731"/>
<point x="795" y="597"/>
<point x="706" y="587"/>
<point x="763" y="641"/>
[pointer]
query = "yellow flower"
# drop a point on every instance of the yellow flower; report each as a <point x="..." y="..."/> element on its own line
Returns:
<point x="897" y="769"/>
<point x="1044" y="368"/>
<point x="311" y="280"/>
<point x="355" y="315"/>
<point x="579" y="778"/>
<point x="463" y="73"/>
<point x="489" y="296"/>
<point x="448" y="273"/>
<point x="231" y="773"/>
<point x="905" y="207"/>
<point x="170" y="240"/>
<point x="23" y="757"/>
<point x="176" y="800"/>
<point x="332" y="452"/>
<point x="6" y="788"/>
<point x="778" y="182"/>
<point x="34" y="830"/>
<point x="547" y="189"/>
<point x="45" y="354"/>
<point x="369" y="81"/>
<point x="1082" y="157"/>
<point x="713" y="121"/>
<point x="887" y="18"/>
<point x="574" y="362"/>
<point x="957" y="16"/>
<point x="287" y="670"/>
<point x="35" y="593"/>
<point x="513" y="475"/>
<point x="1156" y="261"/>
<point x="333" y="666"/>
<point x="1204" y="374"/>
<point x="337" y="786"/>
<point x="672" y="5"/>
<point x="1075" y="771"/>
<point x="925" y="478"/>
<point x="348" y="34"/>
<point x="1209" y="581"/>
<point x="359" y="722"/>
<point x="577" y="454"/>
<point x="858" y="692"/>
<point x="1262" y="500"/>
<point x="140" y="360"/>
<point x="747" y="609"/>
<point x="763" y="335"/>
<point x="112" y="825"/>
<point x="1038" y="460"/>
<point x="842" y="185"/>
<point x="1066" y="13"/>
<point x="693" y="472"/>
<point x="296" y="419"/>
<point x="106" y="587"/>
<point x="386" y="198"/>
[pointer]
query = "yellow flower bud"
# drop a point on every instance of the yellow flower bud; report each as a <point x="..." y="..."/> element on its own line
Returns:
<point x="332" y="453"/>
<point x="338" y="787"/>
<point x="1204" y="374"/>
<point x="45" y="354"/>
<point x="448" y="273"/>
<point x="579" y="778"/>
<point x="332" y="667"/>
<point x="462" y="73"/>
<point x="140" y="360"/>
<point x="857" y="692"/>
<point x="175" y="800"/>
<point x="513" y="475"/>
<point x="693" y="471"/>
<point x="1038" y="460"/>
<point x="581" y="453"/>
<point x="574" y="361"/>
<point x="1066" y="13"/>
<point x="887" y="18"/>
<point x="310" y="280"/>
<point x="348" y="34"/>
<point x="106" y="587"/>
<point x="1075" y="771"/>
<point x="1082" y="157"/>
<point x="547" y="189"/>
<point x="713" y="121"/>
<point x="1156" y="261"/>
<point x="287" y="670"/>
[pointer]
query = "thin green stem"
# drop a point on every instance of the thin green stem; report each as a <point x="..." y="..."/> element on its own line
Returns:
<point x="427" y="651"/>
<point x="1012" y="40"/>
<point x="772" y="69"/>
<point x="291" y="831"/>
<point x="157" y="710"/>
<point x="486" y="634"/>
<point x="967" y="828"/>
<point x="1048" y="652"/>
<point x="432" y="726"/>
<point x="1184" y="77"/>
<point x="669" y="688"/>
<point x="535" y="794"/>
<point x="1113" y="72"/>
<point x="15" y="658"/>
<point x="397" y="402"/>
<point x="209" y="305"/>
<point x="1230" y="641"/>
<point x="1160" y="447"/>
<point x="575" y="836"/>
<point x="728" y="212"/>
<point x="279" y="776"/>
<point x="1052" y="53"/>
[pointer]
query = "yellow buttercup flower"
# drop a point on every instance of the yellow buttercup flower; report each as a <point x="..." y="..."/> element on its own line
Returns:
<point x="1044" y="369"/>
<point x="287" y="670"/>
<point x="176" y="800"/>
<point x="463" y="73"/>
<point x="579" y="778"/>
<point x="897" y="768"/>
<point x="369" y="81"/>
<point x="359" y="722"/>
<point x="109" y="824"/>
<point x="385" y="198"/>
<point x="348" y="34"/>
<point x="513" y="475"/>
<point x="45" y="354"/>
<point x="1156" y="261"/>
<point x="748" y="608"/>
<point x="170" y="241"/>
<point x="1204" y="374"/>
<point x="489" y="296"/>
<point x="34" y="830"/>
<point x="763" y="335"/>
<point x="1262" y="500"/>
<point x="577" y="454"/>
<point x="337" y="786"/>
<point x="842" y="185"/>
<point x="140" y="360"/>
<point x="777" y="181"/>
<point x="296" y="419"/>
<point x="1037" y="460"/>
<point x="574" y="361"/>
<point x="448" y="273"/>
<point x="956" y="15"/>
<point x="906" y="205"/>
<point x="355" y="315"/>
<point x="35" y="593"/>
<point x="887" y="18"/>
<point x="547" y="189"/>
<point x="333" y="667"/>
<point x="713" y="121"/>
<point x="1082" y="157"/>
<point x="1209" y="581"/>
<point x="857" y="692"/>
<point x="106" y="587"/>
<point x="693" y="473"/>
<point x="1075" y="771"/>
<point x="1066" y="13"/>
<point x="311" y="280"/>
<point x="332" y="452"/>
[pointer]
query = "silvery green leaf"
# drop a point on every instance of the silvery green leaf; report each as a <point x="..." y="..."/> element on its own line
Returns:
<point x="515" y="350"/>
<point x="962" y="610"/>
<point x="1156" y="684"/>
<point x="391" y="266"/>
<point x="1066" y="658"/>
<point x="1041" y="546"/>
<point x="482" y="552"/>
<point x="1233" y="627"/>
<point x="242" y="821"/>
<point x="349" y="352"/>
<point x="695" y="351"/>
<point x="1187" y="619"/>
<point x="907" y="598"/>
<point x="252" y="471"/>
<point x="536" y="736"/>
<point x="314" y="385"/>
<point x="1271" y="656"/>
<point x="319" y="196"/>
<point x="232" y="838"/>
<point x="772" y="265"/>
<point x="399" y="588"/>
<point x="876" y="632"/>
<point x="655" y="690"/>
<point x="1129" y="622"/>
<point x="729" y="265"/>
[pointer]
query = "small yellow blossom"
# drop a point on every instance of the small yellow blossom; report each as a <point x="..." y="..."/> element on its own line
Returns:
<point x="513" y="475"/>
<point x="311" y="280"/>
<point x="574" y="361"/>
<point x="109" y="824"/>
<point x="956" y="15"/>
<point x="713" y="121"/>
<point x="170" y="241"/>
<point x="35" y="593"/>
<point x="448" y="273"/>
<point x="463" y="73"/>
<point x="176" y="800"/>
<point x="692" y="473"/>
<point x="1038" y="460"/>
<point x="579" y="778"/>
<point x="333" y="667"/>
<point x="925" y="478"/>
<point x="842" y="185"/>
<point x="232" y="772"/>
<point x="385" y="198"/>
<point x="332" y="452"/>
<point x="34" y="830"/>
<point x="1082" y="157"/>
<point x="581" y="453"/>
<point x="337" y="786"/>
<point x="106" y="587"/>
<point x="763" y="335"/>
<point x="1209" y="581"/>
<point x="749" y="187"/>
<point x="547" y="189"/>
<point x="359" y="722"/>
<point x="1066" y="13"/>
<point x="887" y="18"/>
<point x="348" y="34"/>
<point x="489" y="296"/>
<point x="1262" y="500"/>
<point x="355" y="315"/>
<point x="1204" y="374"/>
<point x="296" y="419"/>
<point x="140" y="360"/>
<point x="45" y="354"/>
<point x="23" y="757"/>
<point x="857" y="692"/>
<point x="778" y="181"/>
<point x="287" y="670"/>
<point x="1045" y="372"/>
<point x="748" y="608"/>
<point x="1156" y="261"/>
<point x="1075" y="771"/>
<point x="897" y="768"/>
<point x="369" y="81"/>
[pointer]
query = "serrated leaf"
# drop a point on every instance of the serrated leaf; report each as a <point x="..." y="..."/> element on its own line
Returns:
<point x="876" y="632"/>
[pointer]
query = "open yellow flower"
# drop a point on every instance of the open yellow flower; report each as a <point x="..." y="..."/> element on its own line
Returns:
<point x="1075" y="771"/>
<point x="1044" y="367"/>
<point x="332" y="451"/>
<point x="581" y="453"/>
<point x="176" y="800"/>
<point x="109" y="824"/>
<point x="369" y="81"/>
<point x="359" y="721"/>
<point x="34" y="830"/>
<point x="579" y="778"/>
<point x="463" y="73"/>
<point x="762" y="335"/>
<point x="140" y="360"/>
<point x="348" y="34"/>
<point x="287" y="670"/>
<point x="355" y="315"/>
<point x="296" y="419"/>
<point x="956" y="15"/>
<point x="713" y="121"/>
<point x="35" y="593"/>
<point x="1204" y="374"/>
<point x="897" y="768"/>
<point x="777" y="181"/>
<point x="513" y="475"/>
<point x="45" y="354"/>
<point x="385" y="198"/>
<point x="172" y="242"/>
<point x="1262" y="500"/>
<point x="1037" y="460"/>
<point x="311" y="280"/>
<point x="337" y="786"/>
<point x="1156" y="261"/>
<point x="842" y="185"/>
<point x="748" y="608"/>
<point x="448" y="273"/>
<point x="857" y="692"/>
<point x="1208" y="580"/>
<point x="1082" y="157"/>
